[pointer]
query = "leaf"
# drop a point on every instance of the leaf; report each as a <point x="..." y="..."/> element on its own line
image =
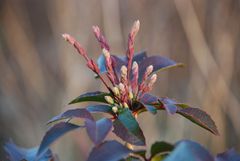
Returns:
<point x="16" y="153"/>
<point x="158" y="63"/>
<point x="189" y="151"/>
<point x="101" y="61"/>
<point x="168" y="104"/>
<point x="97" y="131"/>
<point x="53" y="134"/>
<point x="91" y="96"/>
<point x="127" y="128"/>
<point x="141" y="153"/>
<point x="230" y="155"/>
<point x="149" y="99"/>
<point x="161" y="147"/>
<point x="149" y="108"/>
<point x="80" y="113"/>
<point x="119" y="61"/>
<point x="109" y="151"/>
<point x="199" y="117"/>
<point x="100" y="108"/>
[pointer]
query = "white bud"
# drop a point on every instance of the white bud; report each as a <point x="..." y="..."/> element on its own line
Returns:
<point x="109" y="99"/>
<point x="130" y="95"/>
<point x="129" y="146"/>
<point x="121" y="87"/>
<point x="135" y="65"/>
<point x="153" y="79"/>
<point x="123" y="71"/>
<point x="149" y="69"/>
<point x="106" y="53"/>
<point x="125" y="105"/>
<point x="114" y="109"/>
<point x="135" y="28"/>
<point x="116" y="91"/>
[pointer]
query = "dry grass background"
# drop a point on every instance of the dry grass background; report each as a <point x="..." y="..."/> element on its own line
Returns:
<point x="40" y="73"/>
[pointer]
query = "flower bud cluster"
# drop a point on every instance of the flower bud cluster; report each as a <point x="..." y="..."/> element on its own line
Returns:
<point x="125" y="87"/>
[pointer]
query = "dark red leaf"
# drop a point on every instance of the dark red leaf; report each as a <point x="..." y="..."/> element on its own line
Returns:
<point x="97" y="131"/>
<point x="199" y="117"/>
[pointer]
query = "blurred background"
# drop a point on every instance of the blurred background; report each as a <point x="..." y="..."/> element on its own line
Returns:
<point x="40" y="73"/>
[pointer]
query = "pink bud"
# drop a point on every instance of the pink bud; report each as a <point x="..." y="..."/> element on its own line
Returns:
<point x="68" y="38"/>
<point x="135" y="77"/>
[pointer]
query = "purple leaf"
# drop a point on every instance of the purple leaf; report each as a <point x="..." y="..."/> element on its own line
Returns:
<point x="199" y="117"/>
<point x="146" y="107"/>
<point x="127" y="128"/>
<point x="149" y="99"/>
<point x="91" y="96"/>
<point x="169" y="105"/>
<point x="158" y="63"/>
<point x="109" y="151"/>
<point x="98" y="130"/>
<point x="15" y="153"/>
<point x="189" y="151"/>
<point x="229" y="155"/>
<point x="79" y="113"/>
<point x="100" y="108"/>
<point x="53" y="134"/>
<point x="119" y="61"/>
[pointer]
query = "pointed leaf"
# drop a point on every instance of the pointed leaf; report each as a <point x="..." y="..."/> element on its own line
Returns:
<point x="91" y="96"/>
<point x="119" y="61"/>
<point x="189" y="151"/>
<point x="16" y="153"/>
<point x="97" y="131"/>
<point x="53" y="134"/>
<point x="168" y="104"/>
<point x="109" y="151"/>
<point x="158" y="62"/>
<point x="100" y="108"/>
<point x="140" y="154"/>
<point x="149" y="99"/>
<point x="147" y="107"/>
<point x="79" y="113"/>
<point x="101" y="61"/>
<point x="230" y="155"/>
<point x="127" y="128"/>
<point x="199" y="117"/>
<point x="161" y="147"/>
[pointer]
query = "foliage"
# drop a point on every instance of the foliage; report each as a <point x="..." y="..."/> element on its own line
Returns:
<point x="131" y="79"/>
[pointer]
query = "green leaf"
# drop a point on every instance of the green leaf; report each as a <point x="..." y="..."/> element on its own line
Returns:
<point x="200" y="118"/>
<point x="140" y="153"/>
<point x="127" y="128"/>
<point x="91" y="96"/>
<point x="72" y="113"/>
<point x="161" y="147"/>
